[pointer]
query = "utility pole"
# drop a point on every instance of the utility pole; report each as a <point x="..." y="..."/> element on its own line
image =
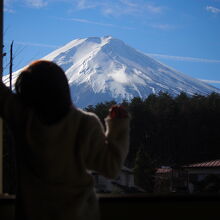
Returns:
<point x="10" y="67"/>
<point x="8" y="150"/>
<point x="1" y="69"/>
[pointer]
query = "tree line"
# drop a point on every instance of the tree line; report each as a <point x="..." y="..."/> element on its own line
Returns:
<point x="172" y="131"/>
<point x="164" y="131"/>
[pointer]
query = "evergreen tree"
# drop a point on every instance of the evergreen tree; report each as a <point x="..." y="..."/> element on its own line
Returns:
<point x="144" y="171"/>
<point x="180" y="130"/>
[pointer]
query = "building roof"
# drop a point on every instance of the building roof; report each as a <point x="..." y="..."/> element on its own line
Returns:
<point x="163" y="170"/>
<point x="207" y="164"/>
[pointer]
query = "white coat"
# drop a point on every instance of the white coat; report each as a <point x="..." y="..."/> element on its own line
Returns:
<point x="54" y="161"/>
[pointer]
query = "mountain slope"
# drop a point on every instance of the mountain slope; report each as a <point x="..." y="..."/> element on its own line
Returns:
<point x="103" y="69"/>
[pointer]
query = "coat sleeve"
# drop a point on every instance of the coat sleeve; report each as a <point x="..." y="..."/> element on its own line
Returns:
<point x="108" y="149"/>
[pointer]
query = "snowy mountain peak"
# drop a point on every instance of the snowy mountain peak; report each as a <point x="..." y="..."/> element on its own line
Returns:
<point x="105" y="68"/>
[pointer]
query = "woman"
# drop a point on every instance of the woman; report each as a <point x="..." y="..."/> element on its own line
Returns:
<point x="57" y="144"/>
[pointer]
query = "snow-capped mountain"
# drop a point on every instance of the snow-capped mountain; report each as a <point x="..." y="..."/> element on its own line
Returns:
<point x="104" y="68"/>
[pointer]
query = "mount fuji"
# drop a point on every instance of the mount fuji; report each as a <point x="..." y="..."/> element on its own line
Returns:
<point x="104" y="68"/>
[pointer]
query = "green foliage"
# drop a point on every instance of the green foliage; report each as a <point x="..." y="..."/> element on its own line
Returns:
<point x="144" y="171"/>
<point x="173" y="130"/>
<point x="100" y="109"/>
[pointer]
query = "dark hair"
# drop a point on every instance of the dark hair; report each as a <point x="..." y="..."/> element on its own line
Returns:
<point x="43" y="86"/>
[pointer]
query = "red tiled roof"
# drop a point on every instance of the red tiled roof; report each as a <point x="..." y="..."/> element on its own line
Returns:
<point x="163" y="170"/>
<point x="213" y="163"/>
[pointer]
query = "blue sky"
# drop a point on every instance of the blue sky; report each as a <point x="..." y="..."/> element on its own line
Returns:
<point x="183" y="34"/>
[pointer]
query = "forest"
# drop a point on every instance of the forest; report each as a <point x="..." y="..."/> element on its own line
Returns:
<point x="171" y="131"/>
<point x="164" y="131"/>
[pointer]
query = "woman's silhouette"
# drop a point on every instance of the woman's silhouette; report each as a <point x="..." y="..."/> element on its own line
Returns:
<point x="58" y="144"/>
